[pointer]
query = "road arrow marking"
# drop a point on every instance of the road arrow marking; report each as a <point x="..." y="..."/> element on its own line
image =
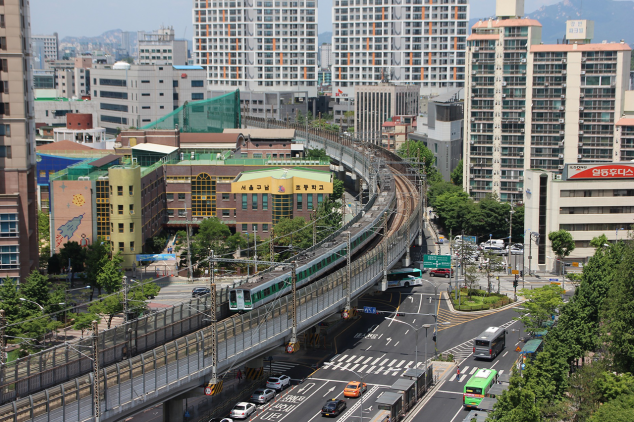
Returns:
<point x="388" y="341"/>
<point x="329" y="391"/>
<point x="306" y="387"/>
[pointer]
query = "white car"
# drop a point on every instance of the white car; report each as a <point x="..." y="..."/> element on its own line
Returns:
<point x="278" y="382"/>
<point x="242" y="410"/>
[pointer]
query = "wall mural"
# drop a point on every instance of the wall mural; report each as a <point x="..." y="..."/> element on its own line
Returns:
<point x="72" y="217"/>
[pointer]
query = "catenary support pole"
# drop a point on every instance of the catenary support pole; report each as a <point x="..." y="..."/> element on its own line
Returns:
<point x="95" y="368"/>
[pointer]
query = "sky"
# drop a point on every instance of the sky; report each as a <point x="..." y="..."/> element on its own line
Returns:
<point x="92" y="18"/>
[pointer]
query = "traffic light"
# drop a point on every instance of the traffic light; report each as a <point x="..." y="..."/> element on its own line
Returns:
<point x="516" y="281"/>
<point x="434" y="336"/>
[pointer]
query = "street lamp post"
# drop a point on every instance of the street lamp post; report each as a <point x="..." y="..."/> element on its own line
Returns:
<point x="426" y="326"/>
<point x="66" y="302"/>
<point x="524" y="247"/>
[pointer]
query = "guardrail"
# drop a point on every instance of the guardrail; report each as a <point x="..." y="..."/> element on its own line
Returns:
<point x="184" y="363"/>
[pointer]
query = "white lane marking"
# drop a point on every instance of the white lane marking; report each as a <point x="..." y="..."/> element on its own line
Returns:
<point x="453" y="377"/>
<point x="351" y="411"/>
<point x="505" y="353"/>
<point x="353" y="367"/>
<point x="359" y="360"/>
<point x="393" y="362"/>
<point x="501" y="371"/>
<point x="420" y="303"/>
<point x="351" y="358"/>
<point x="330" y="391"/>
<point x="406" y="331"/>
<point x="371" y="369"/>
<point x="307" y="397"/>
<point x="496" y="362"/>
<point x="473" y="370"/>
<point x="375" y="328"/>
<point x="362" y="368"/>
<point x="408" y="364"/>
<point x="400" y="363"/>
<point x="380" y="337"/>
<point x="456" y="415"/>
<point x="464" y="370"/>
<point x="414" y="321"/>
<point x="449" y="392"/>
<point x="378" y="359"/>
<point x="379" y="370"/>
<point x="342" y="367"/>
<point x="368" y="359"/>
<point x="384" y="362"/>
<point x="397" y="343"/>
<point x="345" y="382"/>
<point x="368" y="349"/>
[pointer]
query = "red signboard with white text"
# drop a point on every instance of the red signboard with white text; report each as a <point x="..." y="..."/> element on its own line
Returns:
<point x="601" y="171"/>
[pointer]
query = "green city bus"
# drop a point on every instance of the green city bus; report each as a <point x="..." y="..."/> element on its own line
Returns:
<point x="478" y="386"/>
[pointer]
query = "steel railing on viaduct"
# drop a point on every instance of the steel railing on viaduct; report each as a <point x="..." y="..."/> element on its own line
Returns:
<point x="179" y="361"/>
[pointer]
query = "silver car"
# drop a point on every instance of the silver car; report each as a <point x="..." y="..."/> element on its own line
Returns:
<point x="262" y="395"/>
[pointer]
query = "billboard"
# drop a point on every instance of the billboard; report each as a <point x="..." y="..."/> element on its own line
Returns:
<point x="600" y="171"/>
<point x="72" y="219"/>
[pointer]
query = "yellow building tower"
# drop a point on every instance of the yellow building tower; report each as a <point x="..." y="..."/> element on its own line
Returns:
<point x="125" y="212"/>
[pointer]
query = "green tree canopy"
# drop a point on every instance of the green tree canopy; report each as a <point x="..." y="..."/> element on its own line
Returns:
<point x="97" y="256"/>
<point x="108" y="307"/>
<point x="541" y="304"/>
<point x="456" y="174"/>
<point x="562" y="243"/>
<point x="75" y="253"/>
<point x="110" y="278"/>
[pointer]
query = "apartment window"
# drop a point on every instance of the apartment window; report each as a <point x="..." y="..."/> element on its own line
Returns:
<point x="145" y="82"/>
<point x="181" y="196"/>
<point x="131" y="227"/>
<point x="145" y="94"/>
<point x="120" y="209"/>
<point x="8" y="225"/>
<point x="112" y="82"/>
<point x="131" y="190"/>
<point x="320" y="199"/>
<point x="225" y="197"/>
<point x="265" y="201"/>
<point x="225" y="213"/>
<point x="170" y="196"/>
<point x="114" y="119"/>
<point x="265" y="227"/>
<point x="5" y="109"/>
<point x="244" y="201"/>
<point x="3" y="43"/>
<point x="170" y="213"/>
<point x="299" y="201"/>
<point x="254" y="228"/>
<point x="309" y="198"/>
<point x="131" y="209"/>
<point x="121" y="246"/>
<point x="131" y="246"/>
<point x="161" y="94"/>
<point x="198" y="96"/>
<point x="4" y="65"/>
<point x="42" y="173"/>
<point x="198" y="84"/>
<point x="244" y="228"/>
<point x="119" y="190"/>
<point x="182" y="213"/>
<point x="2" y="21"/>
<point x="9" y="256"/>
<point x="120" y="227"/>
<point x="113" y="94"/>
<point x="111" y="224"/>
<point x="175" y="84"/>
<point x="160" y="81"/>
<point x="5" y="130"/>
<point x="254" y="201"/>
<point x="4" y="87"/>
<point x="114" y="107"/>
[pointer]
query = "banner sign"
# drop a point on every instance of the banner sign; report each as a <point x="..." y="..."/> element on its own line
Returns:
<point x="600" y="171"/>
<point x="156" y="257"/>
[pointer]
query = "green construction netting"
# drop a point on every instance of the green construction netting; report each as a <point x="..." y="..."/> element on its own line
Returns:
<point x="205" y="116"/>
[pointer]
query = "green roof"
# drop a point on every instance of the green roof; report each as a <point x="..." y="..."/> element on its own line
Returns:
<point x="281" y="173"/>
<point x="481" y="378"/>
<point x="531" y="346"/>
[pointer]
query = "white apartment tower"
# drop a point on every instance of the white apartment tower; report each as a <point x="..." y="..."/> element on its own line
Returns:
<point x="257" y="45"/>
<point x="160" y="47"/>
<point x="535" y="106"/>
<point x="419" y="42"/>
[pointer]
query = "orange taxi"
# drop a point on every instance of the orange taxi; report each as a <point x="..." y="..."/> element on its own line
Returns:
<point x="354" y="389"/>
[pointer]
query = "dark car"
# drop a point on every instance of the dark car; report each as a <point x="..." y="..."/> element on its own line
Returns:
<point x="333" y="407"/>
<point x="200" y="291"/>
<point x="441" y="272"/>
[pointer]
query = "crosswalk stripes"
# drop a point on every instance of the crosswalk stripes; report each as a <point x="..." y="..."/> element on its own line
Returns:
<point x="281" y="367"/>
<point x="464" y="376"/>
<point x="370" y="365"/>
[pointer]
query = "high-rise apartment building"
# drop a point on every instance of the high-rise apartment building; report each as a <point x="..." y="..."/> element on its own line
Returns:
<point x="376" y="104"/>
<point x="325" y="56"/>
<point x="534" y="106"/>
<point x="18" y="228"/>
<point x="406" y="42"/>
<point x="50" y="43"/>
<point x="268" y="46"/>
<point x="161" y="48"/>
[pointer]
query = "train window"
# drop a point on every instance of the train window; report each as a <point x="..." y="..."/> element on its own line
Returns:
<point x="279" y="285"/>
<point x="328" y="260"/>
<point x="232" y="296"/>
<point x="266" y="292"/>
<point x="247" y="296"/>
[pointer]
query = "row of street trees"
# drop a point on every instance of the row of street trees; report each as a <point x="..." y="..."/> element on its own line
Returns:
<point x="456" y="211"/>
<point x="585" y="370"/>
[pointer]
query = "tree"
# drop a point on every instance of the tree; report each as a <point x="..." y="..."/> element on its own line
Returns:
<point x="212" y="234"/>
<point x="300" y="119"/>
<point x="37" y="289"/>
<point x="110" y="278"/>
<point x="83" y="321"/>
<point x="97" y="256"/>
<point x="11" y="304"/>
<point x="517" y="404"/>
<point x="108" y="306"/>
<point x="293" y="233"/>
<point x="43" y="229"/>
<point x="470" y="278"/>
<point x="337" y="190"/>
<point x="456" y="174"/>
<point x="619" y="410"/>
<point x="75" y="254"/>
<point x="599" y="241"/>
<point x="562" y="244"/>
<point x="541" y="305"/>
<point x="437" y="189"/>
<point x="348" y="115"/>
<point x="54" y="264"/>
<point x="317" y="154"/>
<point x="417" y="151"/>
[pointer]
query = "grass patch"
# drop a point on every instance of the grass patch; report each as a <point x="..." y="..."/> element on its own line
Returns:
<point x="478" y="300"/>
<point x="13" y="355"/>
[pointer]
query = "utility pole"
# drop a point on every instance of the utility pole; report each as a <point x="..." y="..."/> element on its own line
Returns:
<point x="314" y="227"/>
<point x="421" y="216"/>
<point x="125" y="299"/>
<point x="510" y="238"/>
<point x="249" y="257"/>
<point x="255" y="254"/>
<point x="384" y="242"/>
<point x="95" y="369"/>
<point x="408" y="244"/>
<point x="348" y="273"/>
<point x="343" y="208"/>
<point x="294" y="282"/>
<point x="189" y="254"/>
<point x="214" y="333"/>
<point x="272" y="246"/>
<point x="3" y="359"/>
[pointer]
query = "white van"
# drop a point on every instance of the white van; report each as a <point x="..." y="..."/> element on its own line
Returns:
<point x="499" y="243"/>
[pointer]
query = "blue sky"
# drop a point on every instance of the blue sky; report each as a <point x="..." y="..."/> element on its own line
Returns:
<point x="92" y="18"/>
